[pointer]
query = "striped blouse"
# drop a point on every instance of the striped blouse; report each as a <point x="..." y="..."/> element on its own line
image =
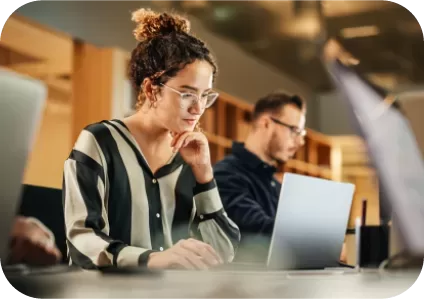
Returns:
<point x="117" y="211"/>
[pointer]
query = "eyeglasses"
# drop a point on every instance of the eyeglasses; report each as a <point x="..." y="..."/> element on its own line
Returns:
<point x="296" y="131"/>
<point x="189" y="99"/>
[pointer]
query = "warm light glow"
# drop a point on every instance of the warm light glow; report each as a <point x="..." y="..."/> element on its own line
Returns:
<point x="333" y="50"/>
<point x="363" y="31"/>
<point x="358" y="222"/>
<point x="306" y="26"/>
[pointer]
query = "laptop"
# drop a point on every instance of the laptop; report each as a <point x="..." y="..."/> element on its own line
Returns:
<point x="22" y="100"/>
<point x="393" y="150"/>
<point x="310" y="226"/>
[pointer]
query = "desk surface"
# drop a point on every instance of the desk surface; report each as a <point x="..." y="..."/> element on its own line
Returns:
<point x="213" y="284"/>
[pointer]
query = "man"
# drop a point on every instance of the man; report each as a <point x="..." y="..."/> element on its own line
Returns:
<point x="245" y="178"/>
<point x="32" y="243"/>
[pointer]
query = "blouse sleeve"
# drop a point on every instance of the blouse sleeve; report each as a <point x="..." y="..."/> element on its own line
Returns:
<point x="211" y="223"/>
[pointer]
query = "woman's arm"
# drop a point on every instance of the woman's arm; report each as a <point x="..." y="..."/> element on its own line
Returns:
<point x="211" y="223"/>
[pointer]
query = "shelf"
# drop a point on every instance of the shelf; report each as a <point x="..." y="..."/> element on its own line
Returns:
<point x="229" y="119"/>
<point x="219" y="140"/>
<point x="308" y="169"/>
<point x="355" y="168"/>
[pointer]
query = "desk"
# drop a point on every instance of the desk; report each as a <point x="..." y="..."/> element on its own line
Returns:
<point x="213" y="284"/>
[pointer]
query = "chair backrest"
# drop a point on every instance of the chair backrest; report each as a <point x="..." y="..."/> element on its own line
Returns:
<point x="45" y="204"/>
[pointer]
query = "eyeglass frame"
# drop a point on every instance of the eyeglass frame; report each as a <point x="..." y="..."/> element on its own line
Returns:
<point x="191" y="93"/>
<point x="294" y="130"/>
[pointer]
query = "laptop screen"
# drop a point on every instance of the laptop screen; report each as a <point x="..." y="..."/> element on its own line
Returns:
<point x="393" y="150"/>
<point x="22" y="101"/>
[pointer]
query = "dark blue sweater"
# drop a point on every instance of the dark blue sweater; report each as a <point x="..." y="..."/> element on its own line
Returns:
<point x="250" y="195"/>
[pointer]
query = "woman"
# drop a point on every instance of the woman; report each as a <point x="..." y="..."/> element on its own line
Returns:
<point x="136" y="190"/>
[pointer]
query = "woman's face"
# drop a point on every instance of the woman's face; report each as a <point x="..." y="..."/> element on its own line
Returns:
<point x="177" y="113"/>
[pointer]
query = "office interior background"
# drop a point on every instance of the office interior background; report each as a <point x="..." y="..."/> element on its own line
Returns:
<point x="81" y="49"/>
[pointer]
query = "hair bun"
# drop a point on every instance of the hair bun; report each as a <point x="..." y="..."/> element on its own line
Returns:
<point x="151" y="24"/>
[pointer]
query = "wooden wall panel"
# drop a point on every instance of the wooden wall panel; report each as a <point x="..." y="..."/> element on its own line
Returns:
<point x="51" y="147"/>
<point x="93" y="96"/>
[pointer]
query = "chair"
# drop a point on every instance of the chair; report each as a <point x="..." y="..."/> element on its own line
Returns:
<point x="45" y="204"/>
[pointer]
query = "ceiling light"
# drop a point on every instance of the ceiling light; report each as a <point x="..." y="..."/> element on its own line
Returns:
<point x="362" y="31"/>
<point x="307" y="25"/>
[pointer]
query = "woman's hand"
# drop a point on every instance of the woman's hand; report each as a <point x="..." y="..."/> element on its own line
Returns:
<point x="186" y="254"/>
<point x="194" y="149"/>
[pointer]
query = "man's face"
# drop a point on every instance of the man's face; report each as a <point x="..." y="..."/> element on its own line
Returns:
<point x="286" y="133"/>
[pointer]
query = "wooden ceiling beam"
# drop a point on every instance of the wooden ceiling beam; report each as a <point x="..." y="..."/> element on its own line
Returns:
<point x="32" y="40"/>
<point x="61" y="85"/>
<point x="38" y="69"/>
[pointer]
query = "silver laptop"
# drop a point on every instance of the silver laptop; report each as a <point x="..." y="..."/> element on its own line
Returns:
<point x="21" y="104"/>
<point x="310" y="224"/>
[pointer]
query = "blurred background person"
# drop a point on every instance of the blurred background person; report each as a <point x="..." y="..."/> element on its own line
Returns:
<point x="246" y="178"/>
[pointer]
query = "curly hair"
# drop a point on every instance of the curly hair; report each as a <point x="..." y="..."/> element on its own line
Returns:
<point x="164" y="47"/>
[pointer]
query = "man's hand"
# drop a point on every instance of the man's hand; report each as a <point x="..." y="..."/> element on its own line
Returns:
<point x="186" y="254"/>
<point x="32" y="243"/>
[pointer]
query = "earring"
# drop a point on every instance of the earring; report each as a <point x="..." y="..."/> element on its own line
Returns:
<point x="153" y="104"/>
<point x="153" y="101"/>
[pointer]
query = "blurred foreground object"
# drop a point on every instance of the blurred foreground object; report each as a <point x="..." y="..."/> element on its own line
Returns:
<point x="333" y="50"/>
<point x="32" y="243"/>
<point x="389" y="138"/>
